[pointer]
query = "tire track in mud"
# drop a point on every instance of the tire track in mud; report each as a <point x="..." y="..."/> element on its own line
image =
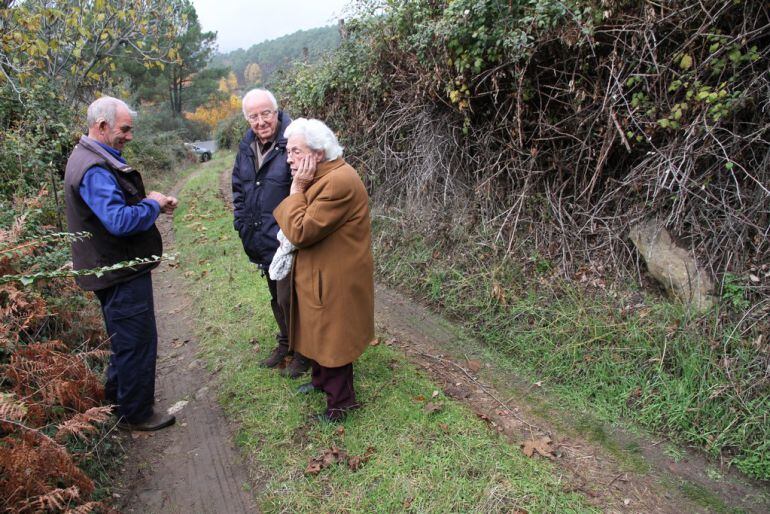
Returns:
<point x="193" y="466"/>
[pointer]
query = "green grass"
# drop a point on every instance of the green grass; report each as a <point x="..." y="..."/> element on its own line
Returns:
<point x="696" y="380"/>
<point x="447" y="461"/>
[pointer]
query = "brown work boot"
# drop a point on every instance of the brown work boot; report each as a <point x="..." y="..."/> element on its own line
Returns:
<point x="157" y="421"/>
<point x="276" y="357"/>
<point x="296" y="367"/>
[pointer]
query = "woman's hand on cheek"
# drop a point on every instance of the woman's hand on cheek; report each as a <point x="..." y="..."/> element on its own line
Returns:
<point x="304" y="175"/>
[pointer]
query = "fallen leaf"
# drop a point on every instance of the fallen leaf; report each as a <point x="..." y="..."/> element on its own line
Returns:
<point x="340" y="430"/>
<point x="178" y="406"/>
<point x="374" y="342"/>
<point x="419" y="398"/>
<point x="474" y="365"/>
<point x="498" y="293"/>
<point x="431" y="407"/>
<point x="753" y="278"/>
<point x="444" y="427"/>
<point x="408" y="503"/>
<point x="540" y="446"/>
<point x="354" y="463"/>
<point x="434" y="394"/>
<point x="313" y="468"/>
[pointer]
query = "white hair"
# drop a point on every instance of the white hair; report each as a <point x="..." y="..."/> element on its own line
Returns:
<point x="105" y="109"/>
<point x="317" y="136"/>
<point x="254" y="92"/>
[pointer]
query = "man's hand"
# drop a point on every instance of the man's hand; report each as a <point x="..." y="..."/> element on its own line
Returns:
<point x="167" y="203"/>
<point x="303" y="177"/>
<point x="170" y="205"/>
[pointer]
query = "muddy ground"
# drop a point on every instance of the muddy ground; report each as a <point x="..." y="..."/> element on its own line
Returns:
<point x="194" y="468"/>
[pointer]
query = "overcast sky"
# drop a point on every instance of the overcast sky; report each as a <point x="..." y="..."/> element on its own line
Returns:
<point x="242" y="23"/>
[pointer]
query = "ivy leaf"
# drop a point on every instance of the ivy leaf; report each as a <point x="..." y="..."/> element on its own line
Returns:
<point x="686" y="62"/>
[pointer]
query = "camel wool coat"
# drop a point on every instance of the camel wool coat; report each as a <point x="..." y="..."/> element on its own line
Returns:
<point x="332" y="308"/>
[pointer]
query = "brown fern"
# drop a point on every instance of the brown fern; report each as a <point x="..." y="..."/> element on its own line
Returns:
<point x="89" y="507"/>
<point x="11" y="409"/>
<point x="32" y="466"/>
<point x="43" y="375"/>
<point x="53" y="501"/>
<point x="82" y="424"/>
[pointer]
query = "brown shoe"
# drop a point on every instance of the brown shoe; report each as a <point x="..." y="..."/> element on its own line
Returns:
<point x="296" y="367"/>
<point x="157" y="421"/>
<point x="276" y="357"/>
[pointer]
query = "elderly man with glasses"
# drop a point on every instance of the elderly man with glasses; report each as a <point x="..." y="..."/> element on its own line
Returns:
<point x="261" y="180"/>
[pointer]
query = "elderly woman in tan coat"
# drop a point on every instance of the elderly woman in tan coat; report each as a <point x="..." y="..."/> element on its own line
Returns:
<point x="326" y="216"/>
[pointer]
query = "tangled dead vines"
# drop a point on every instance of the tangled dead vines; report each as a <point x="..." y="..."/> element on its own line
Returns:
<point x="659" y="109"/>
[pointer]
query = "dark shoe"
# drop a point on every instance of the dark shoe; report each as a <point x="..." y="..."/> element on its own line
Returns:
<point x="297" y="367"/>
<point x="275" y="358"/>
<point x="157" y="421"/>
<point x="307" y="388"/>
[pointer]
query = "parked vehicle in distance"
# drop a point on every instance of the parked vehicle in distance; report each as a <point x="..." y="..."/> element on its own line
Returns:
<point x="202" y="153"/>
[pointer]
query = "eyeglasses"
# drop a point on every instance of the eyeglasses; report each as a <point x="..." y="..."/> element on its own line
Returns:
<point x="264" y="115"/>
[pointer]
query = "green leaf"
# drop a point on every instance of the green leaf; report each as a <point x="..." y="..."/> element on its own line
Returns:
<point x="686" y="62"/>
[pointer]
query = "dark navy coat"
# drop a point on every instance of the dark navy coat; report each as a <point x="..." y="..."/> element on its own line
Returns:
<point x="257" y="192"/>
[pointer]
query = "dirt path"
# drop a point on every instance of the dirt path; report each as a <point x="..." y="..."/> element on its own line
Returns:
<point x="193" y="466"/>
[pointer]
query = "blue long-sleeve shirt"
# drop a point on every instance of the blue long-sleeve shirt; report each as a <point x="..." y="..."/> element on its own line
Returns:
<point x="101" y="192"/>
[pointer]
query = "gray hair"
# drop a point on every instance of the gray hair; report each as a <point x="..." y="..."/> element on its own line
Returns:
<point x="317" y="136"/>
<point x="254" y="92"/>
<point x="105" y="109"/>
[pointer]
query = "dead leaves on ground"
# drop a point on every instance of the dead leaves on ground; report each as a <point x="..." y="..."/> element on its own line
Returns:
<point x="541" y="446"/>
<point x="334" y="455"/>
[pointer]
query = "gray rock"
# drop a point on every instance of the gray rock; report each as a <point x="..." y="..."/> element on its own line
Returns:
<point x="671" y="265"/>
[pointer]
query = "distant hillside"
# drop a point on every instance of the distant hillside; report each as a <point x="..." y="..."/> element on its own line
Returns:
<point x="272" y="55"/>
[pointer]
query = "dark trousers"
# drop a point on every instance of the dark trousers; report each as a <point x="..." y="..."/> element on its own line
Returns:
<point x="337" y="383"/>
<point x="129" y="316"/>
<point x="280" y="301"/>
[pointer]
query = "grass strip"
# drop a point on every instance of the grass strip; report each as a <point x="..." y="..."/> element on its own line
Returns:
<point x="607" y="349"/>
<point x="445" y="461"/>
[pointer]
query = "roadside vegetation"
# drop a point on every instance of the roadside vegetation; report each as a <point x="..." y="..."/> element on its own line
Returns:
<point x="56" y="442"/>
<point x="410" y="448"/>
<point x="509" y="147"/>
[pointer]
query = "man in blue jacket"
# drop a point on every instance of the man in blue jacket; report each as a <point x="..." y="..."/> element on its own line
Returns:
<point x="261" y="180"/>
<point x="106" y="197"/>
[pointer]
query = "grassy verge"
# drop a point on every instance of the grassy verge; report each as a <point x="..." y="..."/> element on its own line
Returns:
<point x="444" y="461"/>
<point x="616" y="353"/>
